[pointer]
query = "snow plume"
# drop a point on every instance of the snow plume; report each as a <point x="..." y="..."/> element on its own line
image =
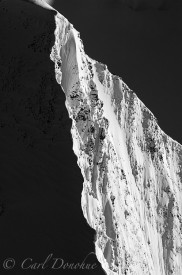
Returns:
<point x="132" y="170"/>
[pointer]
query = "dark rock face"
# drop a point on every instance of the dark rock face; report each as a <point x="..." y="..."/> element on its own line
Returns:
<point x="40" y="182"/>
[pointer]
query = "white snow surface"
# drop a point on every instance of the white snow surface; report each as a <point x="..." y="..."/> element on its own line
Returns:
<point x="132" y="173"/>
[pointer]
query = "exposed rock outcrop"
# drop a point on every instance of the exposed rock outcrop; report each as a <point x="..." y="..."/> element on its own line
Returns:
<point x="132" y="188"/>
<point x="131" y="168"/>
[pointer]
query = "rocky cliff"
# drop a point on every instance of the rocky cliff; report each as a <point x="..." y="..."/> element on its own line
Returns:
<point x="131" y="168"/>
<point x="132" y="187"/>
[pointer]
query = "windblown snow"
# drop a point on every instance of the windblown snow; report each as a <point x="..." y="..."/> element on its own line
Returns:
<point x="132" y="171"/>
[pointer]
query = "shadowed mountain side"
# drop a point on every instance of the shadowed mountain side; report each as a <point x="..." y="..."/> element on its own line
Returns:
<point x="40" y="181"/>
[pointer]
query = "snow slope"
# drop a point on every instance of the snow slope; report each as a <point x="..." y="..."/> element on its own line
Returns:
<point x="131" y="168"/>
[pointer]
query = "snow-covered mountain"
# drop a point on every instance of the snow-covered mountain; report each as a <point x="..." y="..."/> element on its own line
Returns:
<point x="132" y="170"/>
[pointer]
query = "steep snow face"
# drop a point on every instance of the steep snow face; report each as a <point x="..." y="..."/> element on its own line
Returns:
<point x="132" y="170"/>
